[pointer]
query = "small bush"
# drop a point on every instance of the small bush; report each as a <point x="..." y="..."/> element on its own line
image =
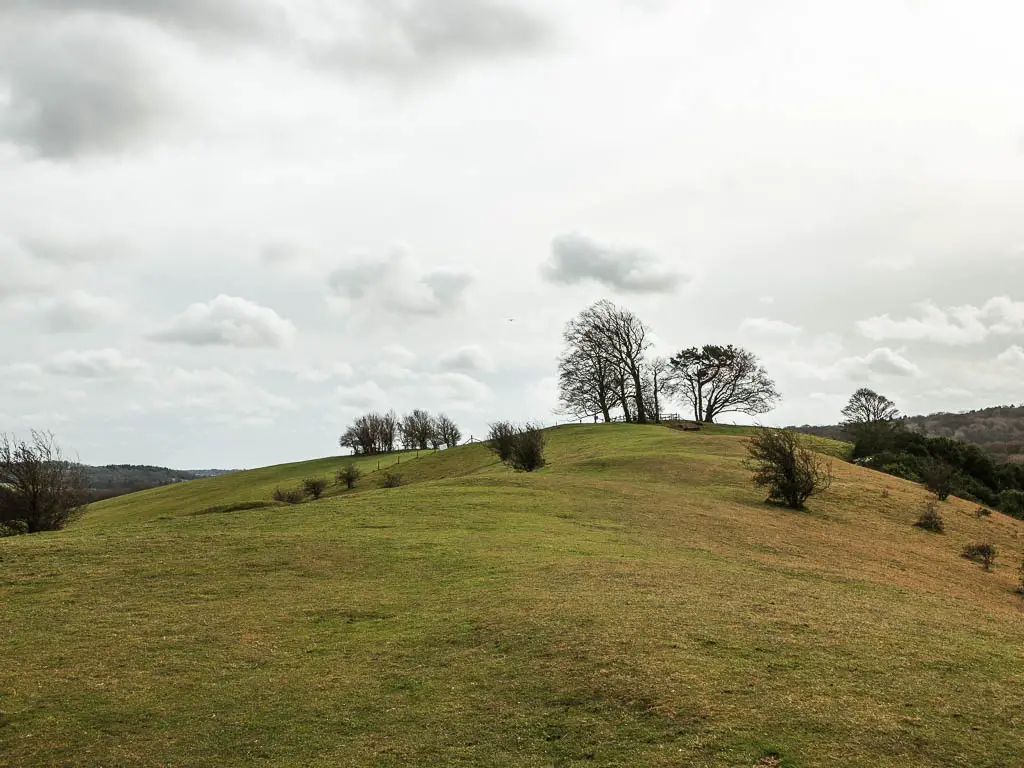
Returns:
<point x="519" y="446"/>
<point x="930" y="518"/>
<point x="348" y="475"/>
<point x="392" y="480"/>
<point x="982" y="512"/>
<point x="289" y="495"/>
<point x="782" y="463"/>
<point x="981" y="553"/>
<point x="1020" y="587"/>
<point x="314" y="486"/>
<point x="502" y="438"/>
<point x="939" y="478"/>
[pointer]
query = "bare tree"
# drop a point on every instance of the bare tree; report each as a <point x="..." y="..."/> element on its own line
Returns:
<point x="867" y="407"/>
<point x="447" y="431"/>
<point x="371" y="433"/>
<point x="40" y="489"/>
<point x="714" y="380"/>
<point x="656" y="383"/>
<point x="417" y="429"/>
<point x="585" y="383"/>
<point x="624" y="338"/>
<point x="387" y="431"/>
<point x="603" y="364"/>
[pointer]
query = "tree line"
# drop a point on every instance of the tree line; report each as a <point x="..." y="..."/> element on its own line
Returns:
<point x="606" y="368"/>
<point x="375" y="433"/>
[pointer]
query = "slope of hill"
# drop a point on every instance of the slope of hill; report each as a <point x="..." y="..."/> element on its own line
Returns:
<point x="634" y="603"/>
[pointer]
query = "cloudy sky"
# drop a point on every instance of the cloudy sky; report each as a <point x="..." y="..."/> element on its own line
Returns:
<point x="227" y="228"/>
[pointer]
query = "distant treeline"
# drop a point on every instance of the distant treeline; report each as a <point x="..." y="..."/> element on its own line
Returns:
<point x="999" y="430"/>
<point x="966" y="448"/>
<point x="112" y="480"/>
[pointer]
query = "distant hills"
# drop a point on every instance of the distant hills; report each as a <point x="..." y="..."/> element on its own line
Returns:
<point x="1000" y="429"/>
<point x="112" y="480"/>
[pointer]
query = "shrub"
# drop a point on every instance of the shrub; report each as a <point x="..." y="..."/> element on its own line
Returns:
<point x="501" y="439"/>
<point x="314" y="486"/>
<point x="349" y="475"/>
<point x="392" y="480"/>
<point x="289" y="495"/>
<point x="13" y="528"/>
<point x="519" y="446"/>
<point x="1020" y="587"/>
<point x="1011" y="502"/>
<point x="930" y="518"/>
<point x="981" y="553"/>
<point x="783" y="464"/>
<point x="982" y="512"/>
<point x="939" y="478"/>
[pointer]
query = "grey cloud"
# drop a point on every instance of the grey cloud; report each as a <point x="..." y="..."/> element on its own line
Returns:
<point x="235" y="18"/>
<point x="878" y="362"/>
<point x="73" y="250"/>
<point x="577" y="259"/>
<point x="468" y="358"/>
<point x="959" y="325"/>
<point x="403" y="37"/>
<point x="228" y="321"/>
<point x="22" y="274"/>
<point x="77" y="89"/>
<point x="77" y="312"/>
<point x="96" y="364"/>
<point x="398" y="283"/>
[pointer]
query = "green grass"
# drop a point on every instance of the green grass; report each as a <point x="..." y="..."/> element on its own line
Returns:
<point x="634" y="603"/>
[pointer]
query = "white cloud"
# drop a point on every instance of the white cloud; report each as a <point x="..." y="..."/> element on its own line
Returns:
<point x="24" y="275"/>
<point x="229" y="321"/>
<point x="577" y="259"/>
<point x="222" y="394"/>
<point x="878" y="362"/>
<point x="456" y="390"/>
<point x="318" y="375"/>
<point x="965" y="324"/>
<point x="97" y="364"/>
<point x="472" y="358"/>
<point x="762" y="326"/>
<point x="77" y="312"/>
<point x="400" y="284"/>
<point x="365" y="394"/>
<point x="1012" y="356"/>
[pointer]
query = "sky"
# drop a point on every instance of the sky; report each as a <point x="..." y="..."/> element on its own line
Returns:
<point x="227" y="229"/>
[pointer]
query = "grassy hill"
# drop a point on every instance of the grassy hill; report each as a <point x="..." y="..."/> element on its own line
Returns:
<point x="634" y="603"/>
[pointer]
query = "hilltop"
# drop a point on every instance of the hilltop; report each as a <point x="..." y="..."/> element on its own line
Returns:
<point x="633" y="603"/>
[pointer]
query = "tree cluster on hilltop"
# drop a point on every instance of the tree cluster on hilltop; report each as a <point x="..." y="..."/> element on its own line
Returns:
<point x="606" y="368"/>
<point x="374" y="433"/>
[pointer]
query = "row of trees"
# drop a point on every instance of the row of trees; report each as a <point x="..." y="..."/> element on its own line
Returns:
<point x="606" y="367"/>
<point x="374" y="433"/>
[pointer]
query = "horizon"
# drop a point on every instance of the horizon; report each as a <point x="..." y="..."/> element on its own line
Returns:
<point x="243" y="226"/>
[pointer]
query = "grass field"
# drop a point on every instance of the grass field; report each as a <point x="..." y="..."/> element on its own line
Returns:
<point x="634" y="603"/>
